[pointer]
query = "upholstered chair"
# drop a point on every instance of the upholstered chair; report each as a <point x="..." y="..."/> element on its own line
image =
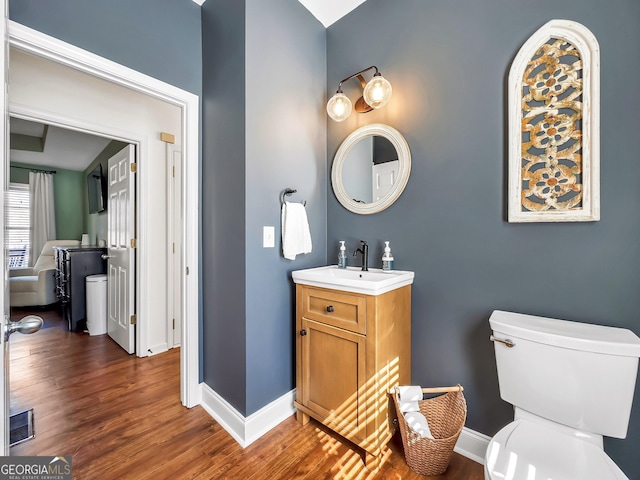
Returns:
<point x="36" y="286"/>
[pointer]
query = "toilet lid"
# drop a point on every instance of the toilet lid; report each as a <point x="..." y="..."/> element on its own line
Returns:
<point x="526" y="450"/>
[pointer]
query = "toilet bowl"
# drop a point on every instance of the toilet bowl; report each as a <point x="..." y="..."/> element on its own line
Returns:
<point x="525" y="450"/>
<point x="570" y="383"/>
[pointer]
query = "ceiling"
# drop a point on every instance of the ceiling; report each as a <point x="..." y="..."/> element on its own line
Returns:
<point x="327" y="11"/>
<point x="59" y="147"/>
<point x="330" y="11"/>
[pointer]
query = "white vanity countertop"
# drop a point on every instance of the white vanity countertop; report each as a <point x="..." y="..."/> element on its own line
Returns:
<point x="352" y="279"/>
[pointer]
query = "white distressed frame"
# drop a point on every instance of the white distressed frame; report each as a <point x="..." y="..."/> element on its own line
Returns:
<point x="587" y="46"/>
<point x="404" y="157"/>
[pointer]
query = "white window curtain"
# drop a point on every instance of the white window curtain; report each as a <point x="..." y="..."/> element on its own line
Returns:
<point x="43" y="214"/>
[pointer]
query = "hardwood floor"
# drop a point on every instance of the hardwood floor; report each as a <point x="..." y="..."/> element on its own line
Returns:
<point x="120" y="417"/>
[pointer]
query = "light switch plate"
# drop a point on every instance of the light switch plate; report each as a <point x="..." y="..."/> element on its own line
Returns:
<point x="268" y="237"/>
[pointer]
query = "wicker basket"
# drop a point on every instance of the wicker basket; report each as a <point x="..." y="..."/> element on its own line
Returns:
<point x="446" y="415"/>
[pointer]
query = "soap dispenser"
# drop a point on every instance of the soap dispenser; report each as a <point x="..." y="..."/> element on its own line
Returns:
<point x="342" y="255"/>
<point x="387" y="258"/>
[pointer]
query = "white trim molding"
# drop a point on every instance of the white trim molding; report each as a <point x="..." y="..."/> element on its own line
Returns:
<point x="4" y="281"/>
<point x="472" y="444"/>
<point x="246" y="430"/>
<point x="41" y="45"/>
<point x="579" y="92"/>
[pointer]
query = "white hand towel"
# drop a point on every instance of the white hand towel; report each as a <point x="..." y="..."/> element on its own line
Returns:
<point x="409" y="397"/>
<point x="296" y="238"/>
<point x="418" y="423"/>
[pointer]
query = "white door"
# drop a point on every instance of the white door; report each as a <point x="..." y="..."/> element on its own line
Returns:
<point x="30" y="323"/>
<point x="174" y="235"/>
<point x="121" y="249"/>
<point x="384" y="176"/>
<point x="4" y="180"/>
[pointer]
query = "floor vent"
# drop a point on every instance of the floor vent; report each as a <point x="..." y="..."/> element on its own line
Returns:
<point x="21" y="427"/>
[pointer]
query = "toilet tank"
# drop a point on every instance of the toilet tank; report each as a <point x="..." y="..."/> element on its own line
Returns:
<point x="576" y="374"/>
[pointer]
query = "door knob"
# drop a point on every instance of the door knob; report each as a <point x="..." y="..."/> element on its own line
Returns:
<point x="303" y="333"/>
<point x="26" y="325"/>
<point x="105" y="256"/>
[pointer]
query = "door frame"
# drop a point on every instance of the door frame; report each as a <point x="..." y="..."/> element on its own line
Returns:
<point x="174" y="222"/>
<point x="4" y="277"/>
<point x="39" y="44"/>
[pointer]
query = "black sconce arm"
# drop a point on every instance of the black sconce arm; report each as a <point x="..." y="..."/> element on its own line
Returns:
<point x="359" y="76"/>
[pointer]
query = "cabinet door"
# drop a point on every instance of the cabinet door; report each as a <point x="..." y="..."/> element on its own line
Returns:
<point x="333" y="376"/>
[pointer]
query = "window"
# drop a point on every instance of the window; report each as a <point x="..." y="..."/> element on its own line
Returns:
<point x="18" y="238"/>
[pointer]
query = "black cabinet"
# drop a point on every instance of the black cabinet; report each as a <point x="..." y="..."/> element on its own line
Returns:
<point x="73" y="264"/>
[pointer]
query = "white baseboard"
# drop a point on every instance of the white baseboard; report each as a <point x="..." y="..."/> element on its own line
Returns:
<point x="156" y="349"/>
<point x="269" y="416"/>
<point x="246" y="430"/>
<point x="472" y="444"/>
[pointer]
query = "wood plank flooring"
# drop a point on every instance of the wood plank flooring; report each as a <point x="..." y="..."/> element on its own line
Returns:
<point x="120" y="417"/>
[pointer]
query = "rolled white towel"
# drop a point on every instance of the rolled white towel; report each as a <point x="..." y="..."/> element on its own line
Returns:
<point x="418" y="423"/>
<point x="409" y="397"/>
<point x="409" y="407"/>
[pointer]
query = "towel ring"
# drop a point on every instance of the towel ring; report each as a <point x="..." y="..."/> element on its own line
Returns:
<point x="288" y="192"/>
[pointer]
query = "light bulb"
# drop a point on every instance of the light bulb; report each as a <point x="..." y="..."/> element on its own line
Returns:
<point x="377" y="92"/>
<point x="339" y="107"/>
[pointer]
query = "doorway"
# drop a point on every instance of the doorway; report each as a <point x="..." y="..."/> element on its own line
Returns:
<point x="124" y="83"/>
<point x="76" y="164"/>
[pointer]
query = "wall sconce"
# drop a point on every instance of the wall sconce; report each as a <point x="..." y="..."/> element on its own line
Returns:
<point x="376" y="93"/>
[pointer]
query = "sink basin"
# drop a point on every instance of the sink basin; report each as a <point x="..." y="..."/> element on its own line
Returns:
<point x="353" y="279"/>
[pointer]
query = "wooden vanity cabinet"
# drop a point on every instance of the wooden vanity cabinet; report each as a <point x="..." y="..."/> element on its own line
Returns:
<point x="351" y="349"/>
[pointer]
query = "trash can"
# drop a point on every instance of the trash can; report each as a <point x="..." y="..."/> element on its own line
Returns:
<point x="96" y="304"/>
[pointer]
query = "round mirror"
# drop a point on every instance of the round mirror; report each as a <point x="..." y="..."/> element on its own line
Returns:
<point x="371" y="169"/>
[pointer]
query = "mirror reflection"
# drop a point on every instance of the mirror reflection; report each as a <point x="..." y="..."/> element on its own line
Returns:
<point x="370" y="169"/>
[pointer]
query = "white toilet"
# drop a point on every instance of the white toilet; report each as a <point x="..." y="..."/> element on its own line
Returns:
<point x="570" y="383"/>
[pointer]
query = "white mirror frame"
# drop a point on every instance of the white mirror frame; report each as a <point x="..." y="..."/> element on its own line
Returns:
<point x="404" y="158"/>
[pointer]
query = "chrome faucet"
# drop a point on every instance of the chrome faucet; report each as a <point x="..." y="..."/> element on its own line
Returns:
<point x="364" y="251"/>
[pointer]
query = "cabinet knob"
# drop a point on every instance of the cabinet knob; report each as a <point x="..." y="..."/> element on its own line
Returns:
<point x="330" y="308"/>
<point x="303" y="333"/>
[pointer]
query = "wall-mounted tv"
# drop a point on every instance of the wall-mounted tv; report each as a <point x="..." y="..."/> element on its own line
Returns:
<point x="96" y="191"/>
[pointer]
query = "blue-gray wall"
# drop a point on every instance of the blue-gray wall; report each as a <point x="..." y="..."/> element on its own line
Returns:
<point x="286" y="147"/>
<point x="448" y="64"/>
<point x="264" y="130"/>
<point x="161" y="38"/>
<point x="223" y="199"/>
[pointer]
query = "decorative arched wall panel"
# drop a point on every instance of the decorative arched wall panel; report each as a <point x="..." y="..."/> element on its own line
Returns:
<point x="554" y="131"/>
